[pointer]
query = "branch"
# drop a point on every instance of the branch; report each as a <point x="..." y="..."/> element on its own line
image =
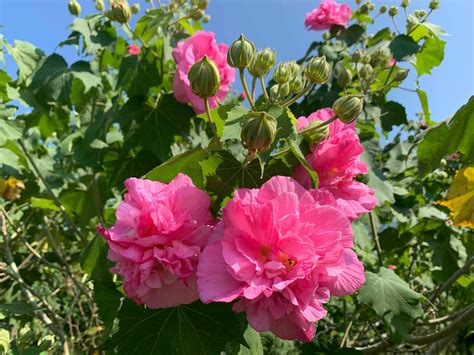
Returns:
<point x="376" y="238"/>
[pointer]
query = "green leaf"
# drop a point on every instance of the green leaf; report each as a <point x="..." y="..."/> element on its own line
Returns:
<point x="425" y="29"/>
<point x="7" y="157"/>
<point x="448" y="137"/>
<point x="43" y="203"/>
<point x="393" y="114"/>
<point x="196" y="329"/>
<point x="352" y="34"/>
<point x="389" y="295"/>
<point x="376" y="180"/>
<point x="9" y="130"/>
<point x="107" y="298"/>
<point x="138" y="74"/>
<point x="186" y="163"/>
<point x="254" y="343"/>
<point x="233" y="123"/>
<point x="26" y="57"/>
<point x="431" y="55"/>
<point x="95" y="35"/>
<point x="383" y="35"/>
<point x="402" y="47"/>
<point x="296" y="150"/>
<point x="423" y="97"/>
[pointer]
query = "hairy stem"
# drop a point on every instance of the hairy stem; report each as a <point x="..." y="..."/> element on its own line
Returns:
<point x="246" y="89"/>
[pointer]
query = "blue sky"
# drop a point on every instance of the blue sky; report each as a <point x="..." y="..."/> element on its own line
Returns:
<point x="277" y="24"/>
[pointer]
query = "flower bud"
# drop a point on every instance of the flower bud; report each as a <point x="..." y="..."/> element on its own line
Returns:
<point x="206" y="19"/>
<point x="419" y="14"/>
<point x="4" y="341"/>
<point x="393" y="11"/>
<point x="295" y="69"/>
<point x="358" y="2"/>
<point x="344" y="78"/>
<point x="313" y="134"/>
<point x="364" y="9"/>
<point x="197" y="15"/>
<point x="258" y="131"/>
<point x="297" y="84"/>
<point x="201" y="4"/>
<point x="46" y="343"/>
<point x="371" y="6"/>
<point x="11" y="188"/>
<point x="274" y="96"/>
<point x="357" y="56"/>
<point x="25" y="335"/>
<point x="348" y="107"/>
<point x="366" y="59"/>
<point x="204" y="78"/>
<point x="282" y="73"/>
<point x="318" y="70"/>
<point x="264" y="60"/>
<point x="365" y="71"/>
<point x="135" y="8"/>
<point x="434" y="4"/>
<point x="120" y="12"/>
<point x="241" y="53"/>
<point x="401" y="74"/>
<point x="405" y="3"/>
<point x="327" y="36"/>
<point x="99" y="5"/>
<point x="284" y="90"/>
<point x="383" y="9"/>
<point x="74" y="7"/>
<point x="381" y="57"/>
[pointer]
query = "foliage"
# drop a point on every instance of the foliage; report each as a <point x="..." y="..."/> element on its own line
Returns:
<point x="71" y="133"/>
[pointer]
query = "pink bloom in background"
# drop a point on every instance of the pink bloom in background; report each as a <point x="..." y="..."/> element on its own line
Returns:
<point x="133" y="49"/>
<point x="281" y="256"/>
<point x="328" y="13"/>
<point x="157" y="239"/>
<point x="392" y="62"/>
<point x="337" y="162"/>
<point x="189" y="52"/>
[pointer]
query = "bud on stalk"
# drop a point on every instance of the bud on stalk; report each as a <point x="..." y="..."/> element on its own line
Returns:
<point x="401" y="74"/>
<point x="241" y="53"/>
<point x="135" y="8"/>
<point x="315" y="132"/>
<point x="282" y="73"/>
<point x="99" y="5"/>
<point x="344" y="78"/>
<point x="74" y="7"/>
<point x="393" y="11"/>
<point x="258" y="131"/>
<point x="120" y="11"/>
<point x="318" y="70"/>
<point x="434" y="4"/>
<point x="348" y="107"/>
<point x="204" y="78"/>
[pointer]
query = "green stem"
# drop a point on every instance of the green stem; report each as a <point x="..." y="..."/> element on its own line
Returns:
<point x="264" y="89"/>
<point x="254" y="82"/>
<point x="294" y="99"/>
<point x="376" y="238"/>
<point x="250" y="156"/>
<point x="325" y="123"/>
<point x="135" y="35"/>
<point x="246" y="89"/>
<point x="209" y="117"/>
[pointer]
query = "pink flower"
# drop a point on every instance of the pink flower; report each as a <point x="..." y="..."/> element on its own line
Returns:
<point x="392" y="267"/>
<point x="281" y="256"/>
<point x="157" y="239"/>
<point x="392" y="62"/>
<point x="133" y="49"/>
<point x="337" y="162"/>
<point x="189" y="52"/>
<point x="328" y="13"/>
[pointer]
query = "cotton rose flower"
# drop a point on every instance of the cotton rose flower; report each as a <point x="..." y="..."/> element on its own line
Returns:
<point x="336" y="160"/>
<point x="328" y="13"/>
<point x="133" y="49"/>
<point x="392" y="62"/>
<point x="281" y="256"/>
<point x="157" y="239"/>
<point x="189" y="52"/>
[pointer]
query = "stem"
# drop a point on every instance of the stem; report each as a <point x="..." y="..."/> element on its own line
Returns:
<point x="346" y="334"/>
<point x="395" y="24"/>
<point x="325" y="123"/>
<point x="209" y="117"/>
<point x="246" y="89"/>
<point x="250" y="156"/>
<point x="50" y="190"/>
<point x="135" y="35"/>
<point x="264" y="89"/>
<point x="294" y="99"/>
<point x="376" y="238"/>
<point x="254" y="82"/>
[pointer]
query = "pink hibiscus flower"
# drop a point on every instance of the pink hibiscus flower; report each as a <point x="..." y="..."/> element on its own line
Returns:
<point x="133" y="49"/>
<point x="189" y="52"/>
<point x="328" y="13"/>
<point x="157" y="239"/>
<point x="337" y="162"/>
<point x="282" y="256"/>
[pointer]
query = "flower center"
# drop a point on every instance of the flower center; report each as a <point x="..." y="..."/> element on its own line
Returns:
<point x="288" y="262"/>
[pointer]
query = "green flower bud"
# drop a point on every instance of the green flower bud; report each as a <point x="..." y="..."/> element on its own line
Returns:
<point x="401" y="74"/>
<point x="241" y="53"/>
<point x="258" y="131"/>
<point x="381" y="57"/>
<point x="99" y="5"/>
<point x="120" y="12"/>
<point x="393" y="11"/>
<point x="383" y="9"/>
<point x="420" y="14"/>
<point x="297" y="84"/>
<point x="313" y="135"/>
<point x="365" y="72"/>
<point x="206" y="19"/>
<point x="197" y="15"/>
<point x="344" y="78"/>
<point x="25" y="335"/>
<point x="327" y="36"/>
<point x="318" y="70"/>
<point x="264" y="60"/>
<point x="135" y="8"/>
<point x="46" y="343"/>
<point x="74" y="7"/>
<point x="282" y="73"/>
<point x="371" y="6"/>
<point x="434" y="4"/>
<point x="284" y="90"/>
<point x="358" y="2"/>
<point x="357" y="56"/>
<point x="364" y="9"/>
<point x="348" y="107"/>
<point x="204" y="78"/>
<point x="202" y="4"/>
<point x="366" y="59"/>
<point x="405" y="3"/>
<point x="4" y="341"/>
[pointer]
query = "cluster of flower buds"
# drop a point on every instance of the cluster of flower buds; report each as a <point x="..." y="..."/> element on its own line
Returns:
<point x="204" y="78"/>
<point x="74" y="7"/>
<point x="258" y="131"/>
<point x="195" y="9"/>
